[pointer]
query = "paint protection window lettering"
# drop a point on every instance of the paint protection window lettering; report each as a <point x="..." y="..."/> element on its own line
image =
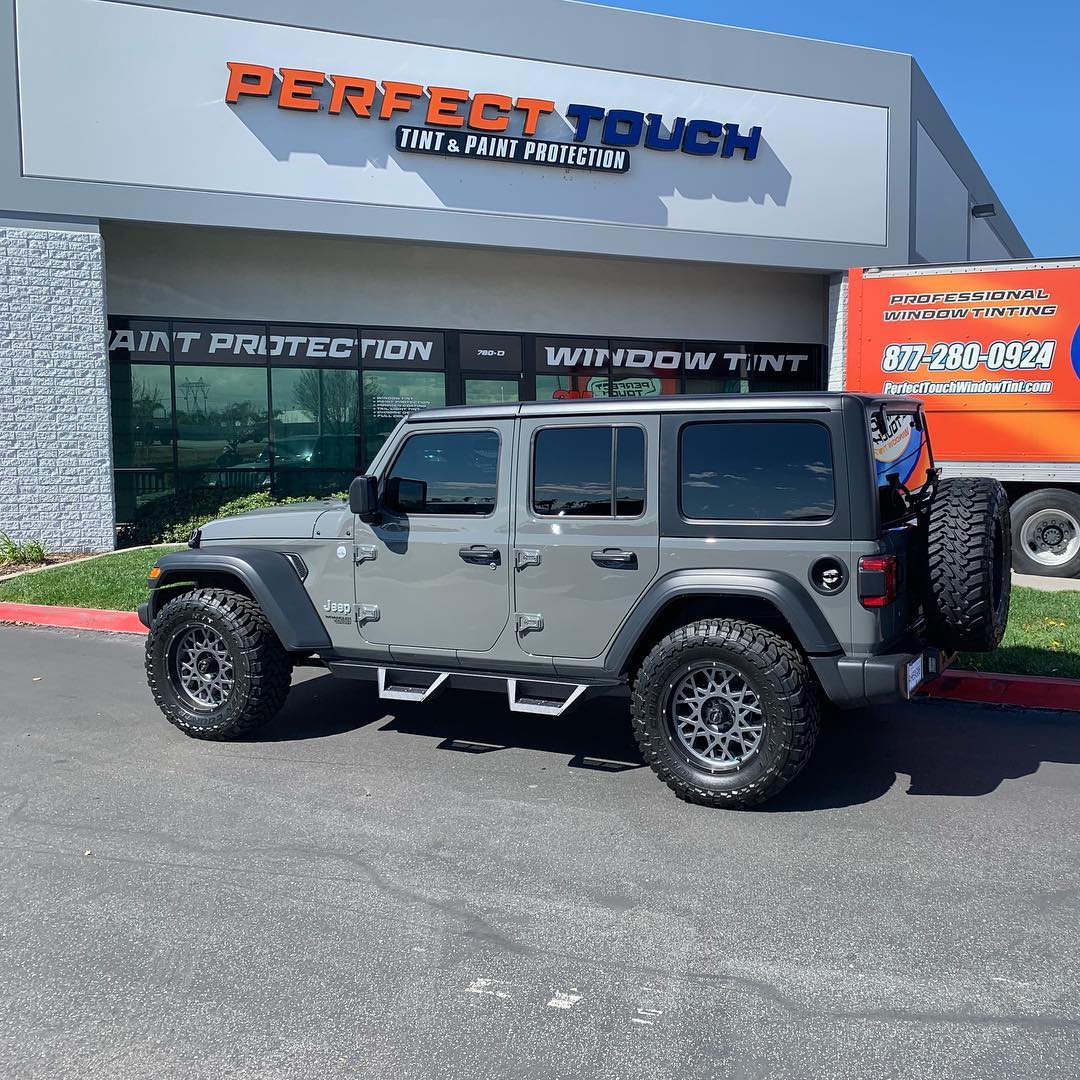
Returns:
<point x="756" y="471"/>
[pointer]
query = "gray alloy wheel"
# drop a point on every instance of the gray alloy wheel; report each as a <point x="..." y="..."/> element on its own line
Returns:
<point x="201" y="668"/>
<point x="716" y="715"/>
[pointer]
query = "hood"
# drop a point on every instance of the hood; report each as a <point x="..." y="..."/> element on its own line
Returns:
<point x="294" y="522"/>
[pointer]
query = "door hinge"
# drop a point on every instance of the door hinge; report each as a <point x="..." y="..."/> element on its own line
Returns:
<point x="526" y="557"/>
<point x="365" y="552"/>
<point x="366" y="613"/>
<point x="529" y="622"/>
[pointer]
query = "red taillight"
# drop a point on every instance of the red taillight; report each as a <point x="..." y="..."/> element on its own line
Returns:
<point x="877" y="580"/>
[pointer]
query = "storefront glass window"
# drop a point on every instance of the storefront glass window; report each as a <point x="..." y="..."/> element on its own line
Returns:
<point x="142" y="416"/>
<point x="314" y="422"/>
<point x="221" y="422"/>
<point x="390" y="395"/>
<point x="490" y="391"/>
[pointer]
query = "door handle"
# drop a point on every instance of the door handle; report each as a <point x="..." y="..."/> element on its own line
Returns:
<point x="615" y="557"/>
<point x="479" y="553"/>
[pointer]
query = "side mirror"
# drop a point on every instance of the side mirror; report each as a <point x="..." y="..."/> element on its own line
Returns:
<point x="364" y="498"/>
<point x="406" y="496"/>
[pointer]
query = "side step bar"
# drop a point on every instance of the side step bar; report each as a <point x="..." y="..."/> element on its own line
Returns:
<point x="402" y="691"/>
<point x="539" y="696"/>
<point x="534" y="698"/>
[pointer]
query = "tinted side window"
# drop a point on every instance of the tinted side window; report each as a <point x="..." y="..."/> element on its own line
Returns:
<point x="572" y="472"/>
<point x="761" y="470"/>
<point x="573" y="475"/>
<point x="445" y="472"/>
<point x="629" y="472"/>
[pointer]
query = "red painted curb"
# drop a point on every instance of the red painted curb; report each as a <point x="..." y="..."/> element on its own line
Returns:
<point x="986" y="688"/>
<point x="72" y="618"/>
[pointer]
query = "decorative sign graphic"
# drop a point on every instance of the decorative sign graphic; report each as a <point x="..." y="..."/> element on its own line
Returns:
<point x="985" y="350"/>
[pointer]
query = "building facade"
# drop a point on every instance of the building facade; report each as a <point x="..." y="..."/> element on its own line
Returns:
<point x="236" y="248"/>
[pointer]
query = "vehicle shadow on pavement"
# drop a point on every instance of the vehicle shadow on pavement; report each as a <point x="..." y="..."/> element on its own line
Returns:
<point x="935" y="748"/>
<point x="597" y="733"/>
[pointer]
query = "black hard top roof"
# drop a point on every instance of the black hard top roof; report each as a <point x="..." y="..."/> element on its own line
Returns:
<point x="681" y="403"/>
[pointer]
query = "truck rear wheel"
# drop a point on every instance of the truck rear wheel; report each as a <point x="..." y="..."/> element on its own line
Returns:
<point x="215" y="666"/>
<point x="969" y="559"/>
<point x="725" y="712"/>
<point x="1046" y="533"/>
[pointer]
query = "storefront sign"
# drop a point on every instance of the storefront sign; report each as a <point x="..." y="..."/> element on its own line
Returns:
<point x="401" y="349"/>
<point x="716" y="359"/>
<point x="562" y="155"/>
<point x="449" y="111"/>
<point x="490" y="352"/>
<point x="237" y="343"/>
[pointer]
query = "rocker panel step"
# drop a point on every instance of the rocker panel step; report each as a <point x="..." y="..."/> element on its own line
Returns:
<point x="523" y="697"/>
<point x="409" y="691"/>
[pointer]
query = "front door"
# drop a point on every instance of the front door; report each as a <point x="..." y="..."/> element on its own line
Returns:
<point x="433" y="572"/>
<point x="586" y="542"/>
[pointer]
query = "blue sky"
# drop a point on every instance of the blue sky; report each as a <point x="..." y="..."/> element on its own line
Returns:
<point x="1009" y="75"/>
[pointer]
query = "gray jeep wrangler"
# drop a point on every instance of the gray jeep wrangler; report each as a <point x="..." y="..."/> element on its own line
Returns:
<point x="726" y="561"/>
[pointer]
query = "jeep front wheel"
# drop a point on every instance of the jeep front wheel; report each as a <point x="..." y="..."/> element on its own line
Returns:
<point x="215" y="666"/>
<point x="725" y="712"/>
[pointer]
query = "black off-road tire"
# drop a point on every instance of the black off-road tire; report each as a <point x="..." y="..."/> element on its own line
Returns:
<point x="262" y="669"/>
<point x="778" y="674"/>
<point x="968" y="564"/>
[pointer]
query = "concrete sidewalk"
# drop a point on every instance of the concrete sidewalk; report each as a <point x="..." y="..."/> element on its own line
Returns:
<point x="1047" y="584"/>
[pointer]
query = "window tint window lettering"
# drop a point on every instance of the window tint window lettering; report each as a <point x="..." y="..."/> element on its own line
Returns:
<point x="445" y="472"/>
<point x="756" y="471"/>
<point x="573" y="474"/>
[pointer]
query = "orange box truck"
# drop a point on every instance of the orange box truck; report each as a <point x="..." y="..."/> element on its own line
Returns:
<point x="994" y="352"/>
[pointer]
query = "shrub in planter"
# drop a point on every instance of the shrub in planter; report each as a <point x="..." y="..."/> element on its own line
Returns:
<point x="172" y="519"/>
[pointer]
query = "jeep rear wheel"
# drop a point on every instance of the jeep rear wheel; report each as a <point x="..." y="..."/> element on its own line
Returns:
<point x="725" y="712"/>
<point x="215" y="666"/>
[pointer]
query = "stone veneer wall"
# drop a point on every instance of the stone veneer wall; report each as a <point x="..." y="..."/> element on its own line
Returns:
<point x="55" y="426"/>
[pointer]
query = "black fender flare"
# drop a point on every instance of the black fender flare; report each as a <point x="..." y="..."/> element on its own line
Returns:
<point x="784" y="592"/>
<point x="267" y="575"/>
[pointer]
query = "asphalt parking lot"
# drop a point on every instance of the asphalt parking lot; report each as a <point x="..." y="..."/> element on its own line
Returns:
<point x="453" y="892"/>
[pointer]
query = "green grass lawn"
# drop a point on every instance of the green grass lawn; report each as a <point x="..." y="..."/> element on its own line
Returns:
<point x="1043" y="637"/>
<point x="115" y="582"/>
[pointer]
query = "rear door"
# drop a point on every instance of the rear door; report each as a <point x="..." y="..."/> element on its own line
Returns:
<point x="586" y="539"/>
<point x="433" y="572"/>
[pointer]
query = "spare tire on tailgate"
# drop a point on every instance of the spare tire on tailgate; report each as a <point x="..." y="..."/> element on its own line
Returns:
<point x="969" y="564"/>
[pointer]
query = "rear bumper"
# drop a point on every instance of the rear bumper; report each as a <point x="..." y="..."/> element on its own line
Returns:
<point x="854" y="681"/>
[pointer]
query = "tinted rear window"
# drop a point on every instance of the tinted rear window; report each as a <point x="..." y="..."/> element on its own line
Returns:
<point x="756" y="471"/>
<point x="573" y="475"/>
